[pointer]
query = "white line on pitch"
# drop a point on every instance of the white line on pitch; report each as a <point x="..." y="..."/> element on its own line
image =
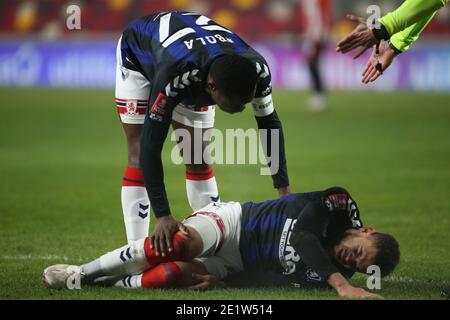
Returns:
<point x="406" y="279"/>
<point x="39" y="257"/>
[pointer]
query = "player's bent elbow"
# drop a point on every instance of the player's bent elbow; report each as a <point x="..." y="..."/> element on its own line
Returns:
<point x="337" y="189"/>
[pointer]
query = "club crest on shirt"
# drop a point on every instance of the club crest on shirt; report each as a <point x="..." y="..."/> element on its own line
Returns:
<point x="158" y="109"/>
<point x="131" y="106"/>
<point x="312" y="275"/>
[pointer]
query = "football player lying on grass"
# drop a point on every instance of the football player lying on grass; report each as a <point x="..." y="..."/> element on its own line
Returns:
<point x="313" y="239"/>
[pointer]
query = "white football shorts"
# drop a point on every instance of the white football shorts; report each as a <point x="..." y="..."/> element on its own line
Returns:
<point x="220" y="222"/>
<point x="132" y="98"/>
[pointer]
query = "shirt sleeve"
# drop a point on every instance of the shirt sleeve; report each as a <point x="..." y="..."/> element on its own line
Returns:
<point x="167" y="92"/>
<point x="306" y="239"/>
<point x="404" y="39"/>
<point x="270" y="127"/>
<point x="409" y="13"/>
<point x="312" y="225"/>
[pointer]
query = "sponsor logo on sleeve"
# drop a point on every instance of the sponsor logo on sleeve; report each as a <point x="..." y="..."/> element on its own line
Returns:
<point x="337" y="201"/>
<point x="342" y="201"/>
<point x="158" y="109"/>
<point x="262" y="106"/>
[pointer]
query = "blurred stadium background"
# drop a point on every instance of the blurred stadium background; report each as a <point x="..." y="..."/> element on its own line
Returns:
<point x="62" y="150"/>
<point x="36" y="48"/>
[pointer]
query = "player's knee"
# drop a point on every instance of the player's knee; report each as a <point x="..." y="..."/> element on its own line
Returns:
<point x="194" y="157"/>
<point x="180" y="250"/>
<point x="181" y="245"/>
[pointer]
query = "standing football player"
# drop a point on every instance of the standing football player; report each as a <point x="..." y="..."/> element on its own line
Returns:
<point x="314" y="36"/>
<point x="173" y="68"/>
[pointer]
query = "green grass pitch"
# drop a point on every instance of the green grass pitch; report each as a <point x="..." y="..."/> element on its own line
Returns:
<point x="62" y="155"/>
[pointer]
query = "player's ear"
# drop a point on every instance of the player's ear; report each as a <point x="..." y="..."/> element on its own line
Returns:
<point x="211" y="86"/>
<point x="368" y="230"/>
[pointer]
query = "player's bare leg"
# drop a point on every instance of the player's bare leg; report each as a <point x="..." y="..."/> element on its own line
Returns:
<point x="201" y="183"/>
<point x="133" y="135"/>
<point x="132" y="94"/>
<point x="135" y="202"/>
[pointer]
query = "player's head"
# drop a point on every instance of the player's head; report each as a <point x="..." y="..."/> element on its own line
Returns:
<point x="232" y="82"/>
<point x="357" y="249"/>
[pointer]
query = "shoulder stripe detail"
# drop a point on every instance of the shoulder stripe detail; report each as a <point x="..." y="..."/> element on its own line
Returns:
<point x="164" y="25"/>
<point x="172" y="88"/>
<point x="216" y="28"/>
<point x="177" y="35"/>
<point x="262" y="70"/>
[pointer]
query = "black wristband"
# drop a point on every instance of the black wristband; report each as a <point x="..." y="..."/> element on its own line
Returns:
<point x="391" y="45"/>
<point x="381" y="33"/>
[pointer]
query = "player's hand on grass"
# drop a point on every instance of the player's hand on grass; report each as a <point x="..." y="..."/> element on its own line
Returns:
<point x="206" y="281"/>
<point x="346" y="290"/>
<point x="164" y="231"/>
<point x="386" y="56"/>
<point x="285" y="191"/>
<point x="362" y="36"/>
<point x="357" y="293"/>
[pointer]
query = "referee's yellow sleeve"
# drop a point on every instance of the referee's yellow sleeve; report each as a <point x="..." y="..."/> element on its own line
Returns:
<point x="404" y="39"/>
<point x="409" y="13"/>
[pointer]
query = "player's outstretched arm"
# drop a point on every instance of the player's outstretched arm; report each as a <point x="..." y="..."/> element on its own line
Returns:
<point x="270" y="129"/>
<point x="274" y="149"/>
<point x="346" y="290"/>
<point x="154" y="133"/>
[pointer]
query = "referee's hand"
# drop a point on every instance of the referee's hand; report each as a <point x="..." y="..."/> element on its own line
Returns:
<point x="361" y="37"/>
<point x="165" y="229"/>
<point x="386" y="57"/>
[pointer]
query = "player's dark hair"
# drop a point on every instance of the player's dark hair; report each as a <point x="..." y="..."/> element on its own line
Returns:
<point x="388" y="252"/>
<point x="234" y="75"/>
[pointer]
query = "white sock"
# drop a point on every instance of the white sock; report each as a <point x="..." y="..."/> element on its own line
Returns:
<point x="129" y="282"/>
<point x="127" y="260"/>
<point x="135" y="205"/>
<point x="201" y="188"/>
<point x="136" y="212"/>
